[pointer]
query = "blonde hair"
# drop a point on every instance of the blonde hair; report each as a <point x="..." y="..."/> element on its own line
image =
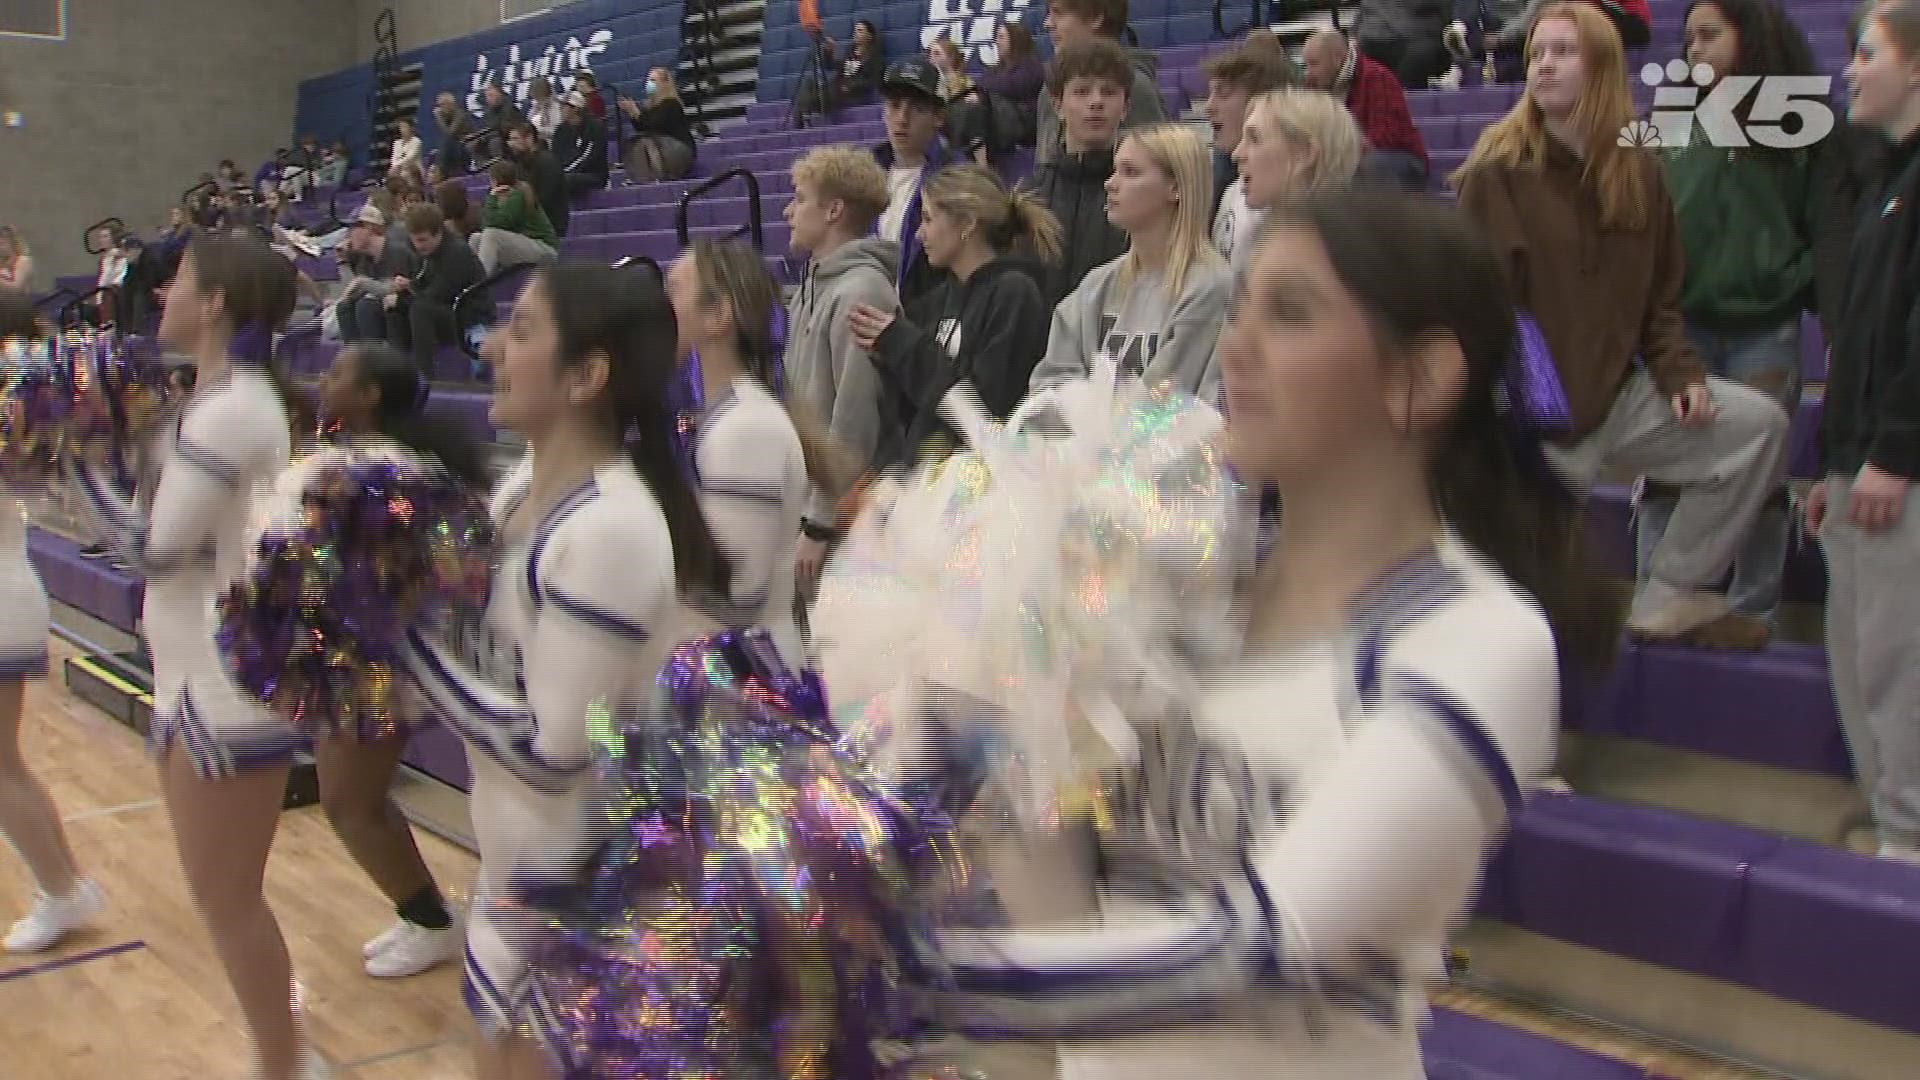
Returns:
<point x="1178" y="151"/>
<point x="1321" y="123"/>
<point x="664" y="88"/>
<point x="14" y="240"/>
<point x="849" y="174"/>
<point x="1014" y="220"/>
<point x="1518" y="140"/>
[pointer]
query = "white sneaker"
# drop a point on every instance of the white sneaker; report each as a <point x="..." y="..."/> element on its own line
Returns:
<point x="1897" y="852"/>
<point x="1666" y="611"/>
<point x="54" y="917"/>
<point x="415" y="949"/>
<point x="377" y="945"/>
<point x="1554" y="785"/>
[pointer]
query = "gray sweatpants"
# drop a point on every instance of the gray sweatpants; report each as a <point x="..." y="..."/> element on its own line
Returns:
<point x="1873" y="648"/>
<point x="1725" y="470"/>
<point x="500" y="247"/>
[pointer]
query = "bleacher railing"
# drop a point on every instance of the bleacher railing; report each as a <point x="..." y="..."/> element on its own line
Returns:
<point x="700" y="41"/>
<point x="753" y="228"/>
<point x="104" y="302"/>
<point x="478" y="291"/>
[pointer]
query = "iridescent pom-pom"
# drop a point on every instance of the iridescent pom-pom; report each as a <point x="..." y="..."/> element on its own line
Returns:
<point x="363" y="547"/>
<point x="118" y="392"/>
<point x="35" y="400"/>
<point x="750" y="915"/>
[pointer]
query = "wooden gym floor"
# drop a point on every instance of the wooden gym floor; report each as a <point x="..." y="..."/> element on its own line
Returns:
<point x="141" y="997"/>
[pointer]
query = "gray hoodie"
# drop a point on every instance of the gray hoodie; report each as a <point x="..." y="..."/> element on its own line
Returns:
<point x="1182" y="351"/>
<point x="825" y="370"/>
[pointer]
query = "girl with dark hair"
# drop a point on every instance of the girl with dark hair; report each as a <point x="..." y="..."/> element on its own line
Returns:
<point x="370" y="400"/>
<point x="599" y="528"/>
<point x="63" y="900"/>
<point x="1863" y="509"/>
<point x="223" y="757"/>
<point x="750" y="464"/>
<point x="1408" y="626"/>
<point x="1746" y="224"/>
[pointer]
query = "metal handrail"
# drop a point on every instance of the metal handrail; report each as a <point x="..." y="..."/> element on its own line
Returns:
<point x="483" y="287"/>
<point x="86" y="238"/>
<point x="752" y="228"/>
<point x="70" y="312"/>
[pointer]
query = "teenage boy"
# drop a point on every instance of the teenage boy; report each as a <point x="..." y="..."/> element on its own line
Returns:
<point x="541" y="171"/>
<point x="839" y="193"/>
<point x="1087" y="86"/>
<point x="913" y="108"/>
<point x="1235" y="78"/>
<point x="1073" y="22"/>
<point x="420" y="315"/>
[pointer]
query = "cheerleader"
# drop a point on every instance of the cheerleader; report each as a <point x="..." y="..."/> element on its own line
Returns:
<point x="371" y="398"/>
<point x="748" y="463"/>
<point x="63" y="901"/>
<point x="598" y="524"/>
<point x="223" y="758"/>
<point x="1288" y="854"/>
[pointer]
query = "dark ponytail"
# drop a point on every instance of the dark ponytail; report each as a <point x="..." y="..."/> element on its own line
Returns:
<point x="260" y="288"/>
<point x="626" y="314"/>
<point x="400" y="414"/>
<point x="1418" y="268"/>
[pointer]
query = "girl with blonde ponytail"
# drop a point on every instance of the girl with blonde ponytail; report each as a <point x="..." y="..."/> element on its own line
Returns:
<point x="985" y="325"/>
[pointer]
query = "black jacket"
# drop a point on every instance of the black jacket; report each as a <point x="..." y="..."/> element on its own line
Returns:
<point x="1074" y="187"/>
<point x="1873" y="390"/>
<point x="582" y="149"/>
<point x="549" y="183"/>
<point x="1001" y="321"/>
<point x="1847" y="168"/>
<point x="452" y="269"/>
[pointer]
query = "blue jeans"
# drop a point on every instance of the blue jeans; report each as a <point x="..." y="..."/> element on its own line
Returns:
<point x="1768" y="361"/>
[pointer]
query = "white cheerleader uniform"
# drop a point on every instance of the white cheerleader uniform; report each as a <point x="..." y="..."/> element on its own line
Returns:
<point x="23" y="602"/>
<point x="1284" y="866"/>
<point x="752" y="479"/>
<point x="225" y="451"/>
<point x="581" y="620"/>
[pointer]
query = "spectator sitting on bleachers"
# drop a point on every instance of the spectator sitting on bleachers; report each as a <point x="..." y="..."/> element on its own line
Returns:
<point x="543" y="109"/>
<point x="985" y="324"/>
<point x="1586" y="229"/>
<point x="456" y="209"/>
<point x="1295" y="143"/>
<point x="839" y="192"/>
<point x="1745" y="226"/>
<point x="1632" y="20"/>
<point x="1087" y="82"/>
<point x="1157" y="309"/>
<point x="498" y="114"/>
<point x="587" y="83"/>
<point x="420" y="315"/>
<point x="16" y="262"/>
<point x="1070" y="22"/>
<point x="913" y="150"/>
<point x="517" y="229"/>
<point x="662" y="146"/>
<point x="851" y="80"/>
<point x="229" y="176"/>
<point x="334" y="162"/>
<point x="1477" y="34"/>
<point x="1015" y="79"/>
<point x="1234" y="78"/>
<point x="580" y="145"/>
<point x="171" y="243"/>
<point x="456" y="126"/>
<point x="1378" y="103"/>
<point x="1405" y="37"/>
<point x="406" y="155"/>
<point x="371" y="260"/>
<point x="966" y="122"/>
<point x="542" y="171"/>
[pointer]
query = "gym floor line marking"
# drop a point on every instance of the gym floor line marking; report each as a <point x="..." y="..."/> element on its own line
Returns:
<point x="108" y="811"/>
<point x="390" y="1055"/>
<point x="69" y="961"/>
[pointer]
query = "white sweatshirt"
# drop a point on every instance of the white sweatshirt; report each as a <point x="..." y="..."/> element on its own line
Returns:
<point x="1285" y="865"/>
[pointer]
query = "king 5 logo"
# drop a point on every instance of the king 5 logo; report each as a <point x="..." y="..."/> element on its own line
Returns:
<point x="970" y="23"/>
<point x="1678" y="105"/>
<point x="516" y="74"/>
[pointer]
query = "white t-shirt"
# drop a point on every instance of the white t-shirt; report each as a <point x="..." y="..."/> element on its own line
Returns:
<point x="901" y="184"/>
<point x="1235" y="225"/>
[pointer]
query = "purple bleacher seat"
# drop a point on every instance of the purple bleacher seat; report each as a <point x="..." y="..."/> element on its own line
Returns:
<point x="90" y="585"/>
<point x="1469" y="1048"/>
<point x="440" y="754"/>
<point x="1838" y="931"/>
<point x="1774" y="707"/>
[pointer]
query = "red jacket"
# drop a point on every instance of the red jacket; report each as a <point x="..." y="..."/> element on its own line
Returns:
<point x="1379" y="106"/>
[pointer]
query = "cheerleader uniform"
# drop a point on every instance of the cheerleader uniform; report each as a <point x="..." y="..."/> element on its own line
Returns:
<point x="1287" y="859"/>
<point x="752" y="479"/>
<point x="581" y="619"/>
<point x="221" y="454"/>
<point x="23" y="602"/>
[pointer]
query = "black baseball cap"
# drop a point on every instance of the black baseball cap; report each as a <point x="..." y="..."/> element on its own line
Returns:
<point x="913" y="75"/>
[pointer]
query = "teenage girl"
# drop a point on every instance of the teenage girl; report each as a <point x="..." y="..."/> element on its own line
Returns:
<point x="598" y="527"/>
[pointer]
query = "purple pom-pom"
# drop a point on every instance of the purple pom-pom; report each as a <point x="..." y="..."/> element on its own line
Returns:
<point x="36" y="397"/>
<point x="315" y="629"/>
<point x="119" y="391"/>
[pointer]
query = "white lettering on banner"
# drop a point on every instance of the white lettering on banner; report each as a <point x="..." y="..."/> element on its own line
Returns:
<point x="970" y="23"/>
<point x="517" y="74"/>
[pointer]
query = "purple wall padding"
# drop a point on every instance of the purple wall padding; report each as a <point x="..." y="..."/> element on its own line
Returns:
<point x="91" y="585"/>
<point x="440" y="754"/>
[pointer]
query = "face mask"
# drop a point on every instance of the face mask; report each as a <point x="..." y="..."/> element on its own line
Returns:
<point x="652" y="87"/>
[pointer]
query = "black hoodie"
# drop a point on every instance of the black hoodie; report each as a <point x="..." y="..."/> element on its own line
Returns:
<point x="1873" y="390"/>
<point x="989" y="330"/>
<point x="1074" y="187"/>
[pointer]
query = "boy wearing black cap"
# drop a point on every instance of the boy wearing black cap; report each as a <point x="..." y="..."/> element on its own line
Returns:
<point x="910" y="91"/>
